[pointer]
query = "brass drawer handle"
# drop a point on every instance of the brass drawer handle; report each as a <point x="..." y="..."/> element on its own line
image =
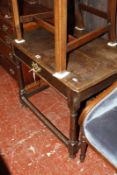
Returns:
<point x="36" y="68"/>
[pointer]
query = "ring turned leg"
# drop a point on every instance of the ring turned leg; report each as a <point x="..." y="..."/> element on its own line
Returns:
<point x="73" y="104"/>
<point x="73" y="142"/>
<point x="20" y="80"/>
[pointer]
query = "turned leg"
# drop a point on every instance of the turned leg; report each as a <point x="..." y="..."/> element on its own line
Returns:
<point x="112" y="21"/>
<point x="20" y="80"/>
<point x="79" y="23"/>
<point x="83" y="146"/>
<point x="73" y="142"/>
<point x="73" y="104"/>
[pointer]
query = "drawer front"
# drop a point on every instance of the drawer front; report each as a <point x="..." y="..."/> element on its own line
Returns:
<point x="10" y="67"/>
<point x="12" y="70"/>
<point x="7" y="60"/>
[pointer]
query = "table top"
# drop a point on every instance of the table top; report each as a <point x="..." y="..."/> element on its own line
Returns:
<point x="87" y="66"/>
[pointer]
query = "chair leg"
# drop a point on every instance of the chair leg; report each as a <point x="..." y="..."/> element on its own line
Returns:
<point x="83" y="146"/>
<point x="112" y="21"/>
<point x="79" y="22"/>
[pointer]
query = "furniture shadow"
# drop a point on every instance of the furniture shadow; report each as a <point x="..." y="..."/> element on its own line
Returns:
<point x="3" y="167"/>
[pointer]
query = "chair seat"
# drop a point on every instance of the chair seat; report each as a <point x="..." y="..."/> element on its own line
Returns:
<point x="100" y="127"/>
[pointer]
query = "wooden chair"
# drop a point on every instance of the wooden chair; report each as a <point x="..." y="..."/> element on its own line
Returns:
<point x="109" y="16"/>
<point x="66" y="43"/>
<point x="98" y="123"/>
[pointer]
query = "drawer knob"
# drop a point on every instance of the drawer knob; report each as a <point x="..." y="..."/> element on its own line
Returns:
<point x="8" y="40"/>
<point x="12" y="72"/>
<point x="10" y="55"/>
<point x="4" y="28"/>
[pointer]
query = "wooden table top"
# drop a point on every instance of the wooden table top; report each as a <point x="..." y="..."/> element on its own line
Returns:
<point x="88" y="65"/>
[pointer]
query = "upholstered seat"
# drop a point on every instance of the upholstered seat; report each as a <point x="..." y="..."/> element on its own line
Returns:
<point x="100" y="126"/>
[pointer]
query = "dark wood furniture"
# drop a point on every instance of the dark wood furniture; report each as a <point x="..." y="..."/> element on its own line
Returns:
<point x="77" y="73"/>
<point x="98" y="123"/>
<point x="7" y="35"/>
